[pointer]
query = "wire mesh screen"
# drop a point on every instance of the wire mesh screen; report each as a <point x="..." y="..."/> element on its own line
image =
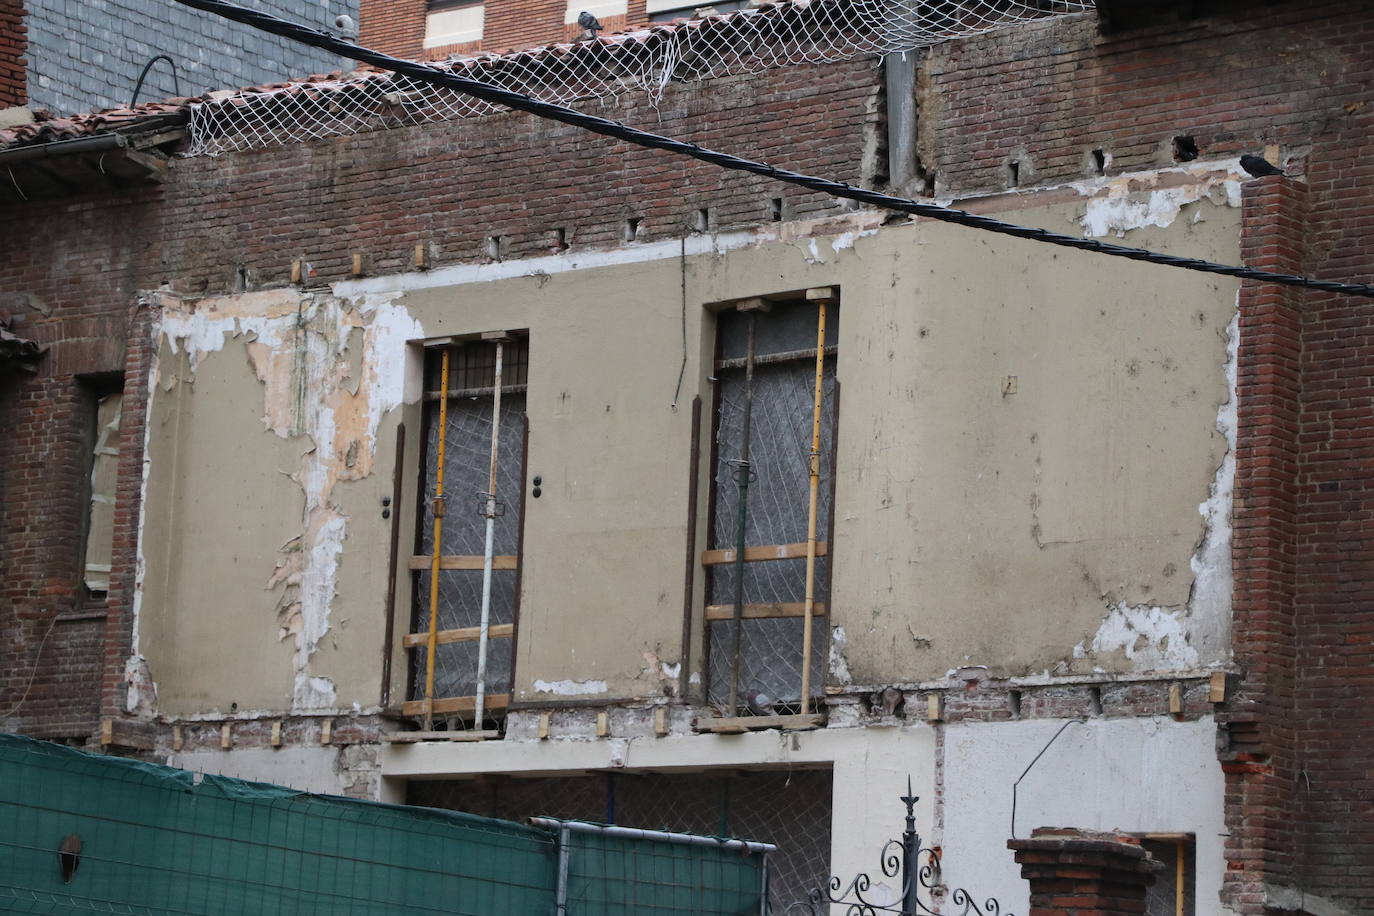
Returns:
<point x="1162" y="897"/>
<point x="777" y="506"/>
<point x="746" y="41"/>
<point x="467" y="466"/>
<point x="147" y="839"/>
<point x="789" y="808"/>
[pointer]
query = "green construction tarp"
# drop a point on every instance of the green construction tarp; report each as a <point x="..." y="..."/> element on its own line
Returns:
<point x="158" y="840"/>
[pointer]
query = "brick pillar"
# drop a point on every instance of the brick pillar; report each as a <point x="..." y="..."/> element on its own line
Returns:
<point x="1084" y="873"/>
<point x="1258" y="750"/>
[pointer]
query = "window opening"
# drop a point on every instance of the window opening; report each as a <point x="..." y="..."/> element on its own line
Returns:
<point x="772" y="490"/>
<point x="100" y="511"/>
<point x="453" y="23"/>
<point x="462" y="654"/>
<point x="1173" y="892"/>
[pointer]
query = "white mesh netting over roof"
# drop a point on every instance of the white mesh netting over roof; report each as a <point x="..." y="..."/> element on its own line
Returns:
<point x="772" y="35"/>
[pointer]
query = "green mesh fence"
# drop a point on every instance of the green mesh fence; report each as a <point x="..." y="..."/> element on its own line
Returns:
<point x="157" y="840"/>
<point x="618" y="876"/>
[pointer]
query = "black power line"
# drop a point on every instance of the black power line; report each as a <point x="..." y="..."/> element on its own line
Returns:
<point x="428" y="73"/>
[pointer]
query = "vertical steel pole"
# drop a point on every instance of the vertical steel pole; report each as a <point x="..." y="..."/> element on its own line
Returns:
<point x="814" y="487"/>
<point x="743" y="484"/>
<point x="479" y="708"/>
<point x="561" y="892"/>
<point x="432" y="642"/>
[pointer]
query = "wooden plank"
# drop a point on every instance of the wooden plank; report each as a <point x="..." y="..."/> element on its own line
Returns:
<point x="418" y="737"/>
<point x="1216" y="689"/>
<point x="763" y="611"/>
<point x="740" y="724"/>
<point x="462" y="634"/>
<point x="765" y="552"/>
<point x="504" y="561"/>
<point x="455" y="704"/>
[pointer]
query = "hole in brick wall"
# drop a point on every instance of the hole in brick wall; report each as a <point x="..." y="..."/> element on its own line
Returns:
<point x="1099" y="161"/>
<point x="632" y="228"/>
<point x="559" y="240"/>
<point x="241" y="280"/>
<point x="1095" y="700"/>
<point x="1014" y="700"/>
<point x="1185" y="150"/>
<point x="701" y="220"/>
<point x="1013" y="173"/>
<point x="775" y="209"/>
<point x="494" y="247"/>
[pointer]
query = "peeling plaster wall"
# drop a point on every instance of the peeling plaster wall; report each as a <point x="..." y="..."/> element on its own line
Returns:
<point x="266" y="412"/>
<point x="1072" y="522"/>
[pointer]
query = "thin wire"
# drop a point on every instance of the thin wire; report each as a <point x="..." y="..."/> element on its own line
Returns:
<point x="682" y="370"/>
<point x="431" y="74"/>
<point x="33" y="673"/>
<point x="1034" y="761"/>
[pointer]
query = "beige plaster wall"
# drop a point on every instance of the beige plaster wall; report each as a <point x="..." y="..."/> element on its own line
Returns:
<point x="1054" y="528"/>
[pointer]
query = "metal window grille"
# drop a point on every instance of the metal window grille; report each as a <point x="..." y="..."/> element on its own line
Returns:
<point x="777" y="504"/>
<point x="467" y="450"/>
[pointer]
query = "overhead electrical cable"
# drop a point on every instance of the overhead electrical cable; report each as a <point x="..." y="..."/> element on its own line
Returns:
<point x="434" y="75"/>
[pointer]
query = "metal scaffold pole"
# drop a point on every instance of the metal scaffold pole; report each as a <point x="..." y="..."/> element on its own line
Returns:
<point x="479" y="710"/>
<point x="752" y="307"/>
<point x="822" y="297"/>
<point x="432" y="641"/>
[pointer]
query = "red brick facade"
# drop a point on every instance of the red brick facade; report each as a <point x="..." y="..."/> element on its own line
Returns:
<point x="1297" y="734"/>
<point x="13" y="42"/>
<point x="397" y="27"/>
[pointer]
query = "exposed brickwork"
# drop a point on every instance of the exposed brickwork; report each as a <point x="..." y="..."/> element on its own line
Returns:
<point x="1231" y="80"/>
<point x="13" y="43"/>
<point x="1260" y="753"/>
<point x="1335" y="540"/>
<point x="1082" y="873"/>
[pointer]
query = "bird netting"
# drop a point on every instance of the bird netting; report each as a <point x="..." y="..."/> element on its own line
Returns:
<point x="746" y="41"/>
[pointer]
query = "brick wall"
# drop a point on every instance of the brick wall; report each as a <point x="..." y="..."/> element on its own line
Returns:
<point x="1334" y="538"/>
<point x="13" y="42"/>
<point x="398" y="27"/>
<point x="1290" y="74"/>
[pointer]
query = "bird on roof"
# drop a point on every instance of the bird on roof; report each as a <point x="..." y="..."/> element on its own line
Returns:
<point x="590" y="25"/>
<point x="1259" y="166"/>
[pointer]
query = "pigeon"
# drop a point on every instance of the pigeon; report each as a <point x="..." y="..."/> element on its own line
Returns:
<point x="760" y="704"/>
<point x="1258" y="166"/>
<point x="889" y="700"/>
<point x="588" y="22"/>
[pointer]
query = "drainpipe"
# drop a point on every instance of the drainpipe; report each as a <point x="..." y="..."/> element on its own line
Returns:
<point x="900" y="74"/>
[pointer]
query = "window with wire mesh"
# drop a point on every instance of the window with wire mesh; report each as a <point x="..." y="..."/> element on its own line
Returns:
<point x="776" y="509"/>
<point x="467" y="467"/>
<point x="1168" y="896"/>
<point x="790" y="808"/>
